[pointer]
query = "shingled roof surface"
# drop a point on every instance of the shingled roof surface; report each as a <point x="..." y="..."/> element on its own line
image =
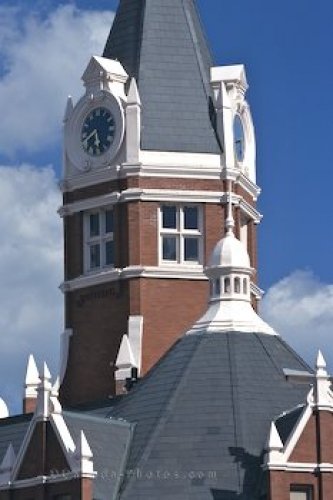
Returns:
<point x="161" y="43"/>
<point x="203" y="414"/>
<point x="13" y="430"/>
<point x="109" y="441"/>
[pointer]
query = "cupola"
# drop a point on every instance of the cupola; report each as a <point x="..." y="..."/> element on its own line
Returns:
<point x="229" y="272"/>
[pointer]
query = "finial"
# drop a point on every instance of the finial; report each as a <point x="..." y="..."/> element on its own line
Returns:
<point x="32" y="375"/>
<point x="274" y="439"/>
<point x="321" y="363"/>
<point x="84" y="455"/>
<point x="230" y="223"/>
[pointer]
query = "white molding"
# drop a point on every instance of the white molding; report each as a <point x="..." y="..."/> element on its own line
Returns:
<point x="89" y="204"/>
<point x="256" y="291"/>
<point x="299" y="467"/>
<point x="160" y="195"/>
<point x="40" y="480"/>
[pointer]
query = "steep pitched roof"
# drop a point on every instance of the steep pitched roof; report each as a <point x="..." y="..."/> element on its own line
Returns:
<point x="13" y="430"/>
<point x="109" y="441"/>
<point x="161" y="43"/>
<point x="203" y="415"/>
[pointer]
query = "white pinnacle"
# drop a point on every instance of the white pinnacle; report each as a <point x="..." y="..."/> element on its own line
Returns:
<point x="321" y="362"/>
<point x="45" y="375"/>
<point x="32" y="375"/>
<point x="274" y="440"/>
<point x="133" y="96"/>
<point x="83" y="450"/>
<point x="69" y="109"/>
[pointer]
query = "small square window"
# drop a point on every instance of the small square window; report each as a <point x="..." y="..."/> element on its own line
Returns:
<point x="191" y="250"/>
<point x="169" y="248"/>
<point x="95" y="253"/>
<point x="169" y="216"/>
<point x="109" y="258"/>
<point x="94" y="225"/>
<point x="109" y="221"/>
<point x="191" y="219"/>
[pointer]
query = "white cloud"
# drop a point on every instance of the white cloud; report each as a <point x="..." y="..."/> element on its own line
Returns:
<point x="43" y="59"/>
<point x="300" y="308"/>
<point x="31" y="262"/>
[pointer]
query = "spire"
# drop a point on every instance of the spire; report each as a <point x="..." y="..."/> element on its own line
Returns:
<point x="229" y="272"/>
<point x="181" y="120"/>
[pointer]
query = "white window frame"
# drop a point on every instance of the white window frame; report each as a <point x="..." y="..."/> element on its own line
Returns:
<point x="100" y="240"/>
<point x="180" y="233"/>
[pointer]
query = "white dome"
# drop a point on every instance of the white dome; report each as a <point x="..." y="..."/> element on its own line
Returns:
<point x="230" y="252"/>
<point x="4" y="413"/>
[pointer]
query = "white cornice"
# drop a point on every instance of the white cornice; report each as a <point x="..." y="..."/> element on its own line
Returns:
<point x="89" y="204"/>
<point x="157" y="272"/>
<point x="163" y="165"/>
<point x="299" y="467"/>
<point x="160" y="195"/>
<point x="193" y="273"/>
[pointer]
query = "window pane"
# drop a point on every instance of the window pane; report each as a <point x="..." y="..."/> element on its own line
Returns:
<point x="109" y="257"/>
<point x="109" y="221"/>
<point x="169" y="248"/>
<point x="191" y="218"/>
<point x="191" y="249"/>
<point x="94" y="224"/>
<point x="169" y="217"/>
<point x="95" y="258"/>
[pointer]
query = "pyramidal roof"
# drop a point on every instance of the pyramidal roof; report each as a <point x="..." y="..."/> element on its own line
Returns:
<point x="162" y="44"/>
<point x="203" y="413"/>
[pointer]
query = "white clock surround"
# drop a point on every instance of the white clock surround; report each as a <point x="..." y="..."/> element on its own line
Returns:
<point x="73" y="144"/>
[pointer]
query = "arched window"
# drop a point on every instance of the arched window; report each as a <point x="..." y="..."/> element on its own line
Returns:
<point x="227" y="285"/>
<point x="245" y="286"/>
<point x="237" y="285"/>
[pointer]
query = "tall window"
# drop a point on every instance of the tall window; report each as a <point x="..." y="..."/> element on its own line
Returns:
<point x="98" y="239"/>
<point x="301" y="493"/>
<point x="181" y="234"/>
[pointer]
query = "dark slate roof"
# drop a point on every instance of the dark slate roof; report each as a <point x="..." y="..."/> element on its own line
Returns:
<point x="287" y="422"/>
<point x="109" y="441"/>
<point x="162" y="44"/>
<point x="203" y="415"/>
<point x="13" y="430"/>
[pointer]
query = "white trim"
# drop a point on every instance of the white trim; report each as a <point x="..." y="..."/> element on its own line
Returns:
<point x="172" y="271"/>
<point x="160" y="195"/>
<point x="167" y="271"/>
<point x="89" y="204"/>
<point x="256" y="291"/>
<point x="40" y="480"/>
<point x="299" y="467"/>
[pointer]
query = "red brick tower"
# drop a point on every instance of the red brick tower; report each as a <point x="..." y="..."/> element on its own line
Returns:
<point x="149" y="149"/>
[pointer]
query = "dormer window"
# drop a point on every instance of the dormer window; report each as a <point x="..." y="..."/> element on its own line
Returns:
<point x="181" y="234"/>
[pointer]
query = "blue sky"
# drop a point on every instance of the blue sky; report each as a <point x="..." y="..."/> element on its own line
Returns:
<point x="286" y="47"/>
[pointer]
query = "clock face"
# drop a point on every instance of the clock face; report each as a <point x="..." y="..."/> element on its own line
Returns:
<point x="98" y="132"/>
<point x="239" y="139"/>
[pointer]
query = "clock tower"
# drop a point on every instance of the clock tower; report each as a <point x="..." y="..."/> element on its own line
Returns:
<point x="149" y="152"/>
